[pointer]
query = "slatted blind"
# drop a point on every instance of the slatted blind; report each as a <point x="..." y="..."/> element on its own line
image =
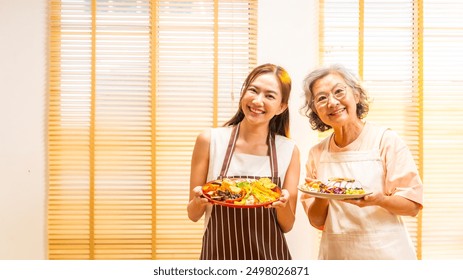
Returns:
<point x="132" y="83"/>
<point x="408" y="54"/>
<point x="443" y="130"/>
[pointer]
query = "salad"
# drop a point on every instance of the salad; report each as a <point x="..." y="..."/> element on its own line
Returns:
<point x="242" y="191"/>
<point x="335" y="185"/>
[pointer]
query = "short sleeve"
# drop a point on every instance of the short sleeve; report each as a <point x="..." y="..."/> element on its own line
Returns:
<point x="313" y="159"/>
<point x="402" y="177"/>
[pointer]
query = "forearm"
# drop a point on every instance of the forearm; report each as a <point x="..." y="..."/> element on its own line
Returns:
<point x="195" y="210"/>
<point x="317" y="212"/>
<point x="198" y="176"/>
<point x="286" y="217"/>
<point x="399" y="205"/>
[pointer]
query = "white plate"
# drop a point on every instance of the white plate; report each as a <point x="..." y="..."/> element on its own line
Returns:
<point x="332" y="195"/>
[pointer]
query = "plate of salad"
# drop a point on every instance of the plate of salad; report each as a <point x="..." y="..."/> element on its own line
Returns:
<point x="242" y="193"/>
<point x="335" y="188"/>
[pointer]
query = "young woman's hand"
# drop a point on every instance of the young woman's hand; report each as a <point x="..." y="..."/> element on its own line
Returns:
<point x="198" y="197"/>
<point x="282" y="201"/>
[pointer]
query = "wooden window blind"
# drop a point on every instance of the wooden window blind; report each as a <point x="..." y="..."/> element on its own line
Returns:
<point x="407" y="53"/>
<point x="131" y="84"/>
<point x="442" y="129"/>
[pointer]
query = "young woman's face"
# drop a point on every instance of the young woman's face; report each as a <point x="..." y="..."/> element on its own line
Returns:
<point x="334" y="101"/>
<point x="262" y="99"/>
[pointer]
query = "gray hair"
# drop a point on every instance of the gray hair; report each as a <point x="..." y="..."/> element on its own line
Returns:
<point x="351" y="80"/>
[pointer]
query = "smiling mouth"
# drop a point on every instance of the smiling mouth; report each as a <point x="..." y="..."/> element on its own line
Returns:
<point x="337" y="112"/>
<point x="256" y="111"/>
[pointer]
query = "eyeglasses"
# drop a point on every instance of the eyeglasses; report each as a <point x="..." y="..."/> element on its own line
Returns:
<point x="338" y="92"/>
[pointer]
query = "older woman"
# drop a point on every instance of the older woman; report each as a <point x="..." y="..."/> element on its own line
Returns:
<point x="371" y="227"/>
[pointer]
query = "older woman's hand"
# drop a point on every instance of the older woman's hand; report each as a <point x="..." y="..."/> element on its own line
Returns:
<point x="375" y="198"/>
<point x="310" y="180"/>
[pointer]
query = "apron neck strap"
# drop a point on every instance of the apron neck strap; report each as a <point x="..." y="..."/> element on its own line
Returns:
<point x="231" y="148"/>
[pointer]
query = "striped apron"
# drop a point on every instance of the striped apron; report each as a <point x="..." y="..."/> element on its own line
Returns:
<point x="245" y="233"/>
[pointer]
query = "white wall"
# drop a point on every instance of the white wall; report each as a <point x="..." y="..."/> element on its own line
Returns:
<point x="22" y="129"/>
<point x="287" y="36"/>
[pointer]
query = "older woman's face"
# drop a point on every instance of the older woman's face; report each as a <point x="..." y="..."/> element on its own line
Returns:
<point x="334" y="101"/>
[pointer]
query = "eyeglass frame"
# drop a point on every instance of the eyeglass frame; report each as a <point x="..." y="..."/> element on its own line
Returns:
<point x="343" y="88"/>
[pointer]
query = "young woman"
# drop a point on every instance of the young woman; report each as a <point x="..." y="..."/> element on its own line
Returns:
<point x="254" y="143"/>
